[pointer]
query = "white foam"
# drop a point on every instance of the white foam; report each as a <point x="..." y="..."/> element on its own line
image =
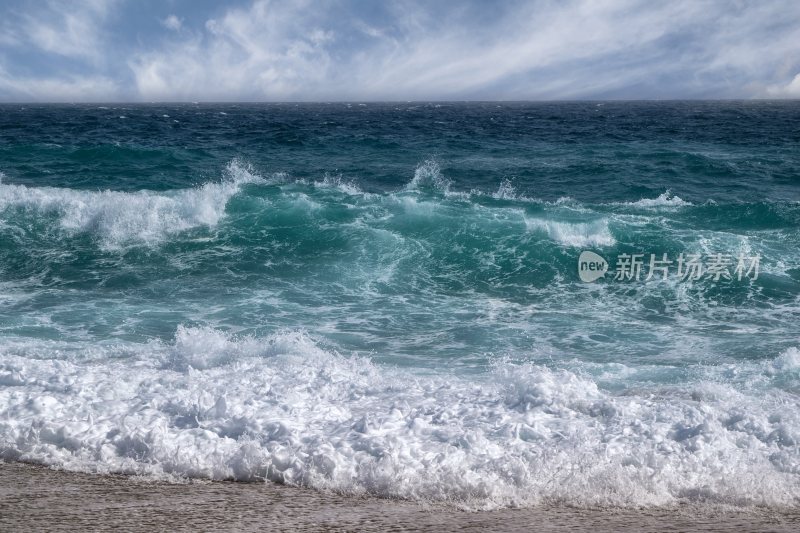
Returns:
<point x="579" y="235"/>
<point x="788" y="361"/>
<point x="121" y="218"/>
<point x="666" y="199"/>
<point x="336" y="182"/>
<point x="506" y="191"/>
<point x="282" y="408"/>
<point x="428" y="175"/>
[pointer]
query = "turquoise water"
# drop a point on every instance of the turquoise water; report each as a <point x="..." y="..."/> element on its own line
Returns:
<point x="385" y="298"/>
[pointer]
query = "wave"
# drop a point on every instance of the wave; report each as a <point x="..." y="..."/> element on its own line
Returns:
<point x="428" y="176"/>
<point x="118" y="219"/>
<point x="578" y="235"/>
<point x="340" y="184"/>
<point x="283" y="408"/>
<point x="505" y="191"/>
<point x="666" y="199"/>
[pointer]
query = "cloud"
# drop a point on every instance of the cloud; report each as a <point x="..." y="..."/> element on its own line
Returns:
<point x="590" y="49"/>
<point x="52" y="89"/>
<point x="264" y="51"/>
<point x="71" y="29"/>
<point x="533" y="50"/>
<point x="790" y="90"/>
<point x="408" y="49"/>
<point x="172" y="22"/>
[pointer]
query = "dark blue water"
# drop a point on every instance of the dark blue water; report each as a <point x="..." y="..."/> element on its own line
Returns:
<point x="386" y="297"/>
<point x="735" y="151"/>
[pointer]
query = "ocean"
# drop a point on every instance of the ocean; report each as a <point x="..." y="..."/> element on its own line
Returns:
<point x="393" y="298"/>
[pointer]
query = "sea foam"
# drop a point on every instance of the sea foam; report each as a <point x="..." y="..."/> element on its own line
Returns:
<point x="666" y="199"/>
<point x="428" y="175"/>
<point x="118" y="219"/>
<point x="283" y="408"/>
<point x="577" y="234"/>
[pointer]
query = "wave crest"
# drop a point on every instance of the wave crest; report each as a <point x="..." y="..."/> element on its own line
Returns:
<point x="428" y="175"/>
<point x="578" y="235"/>
<point x="118" y="219"/>
<point x="666" y="199"/>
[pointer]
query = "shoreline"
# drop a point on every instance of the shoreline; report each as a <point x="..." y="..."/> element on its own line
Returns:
<point x="34" y="497"/>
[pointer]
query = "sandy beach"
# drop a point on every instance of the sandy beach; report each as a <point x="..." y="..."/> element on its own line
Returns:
<point x="35" y="498"/>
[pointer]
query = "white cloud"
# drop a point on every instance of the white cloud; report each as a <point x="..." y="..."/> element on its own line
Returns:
<point x="789" y="90"/>
<point x="537" y="50"/>
<point x="580" y="49"/>
<point x="269" y="50"/>
<point x="63" y="89"/>
<point x="265" y="51"/>
<point x="72" y="29"/>
<point x="172" y="22"/>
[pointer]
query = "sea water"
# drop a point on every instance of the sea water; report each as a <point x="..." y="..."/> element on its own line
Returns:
<point x="386" y="299"/>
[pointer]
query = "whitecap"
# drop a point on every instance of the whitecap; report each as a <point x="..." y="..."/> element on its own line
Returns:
<point x="579" y="235"/>
<point x="338" y="183"/>
<point x="506" y="191"/>
<point x="666" y="199"/>
<point x="788" y="361"/>
<point x="428" y="175"/>
<point x="118" y="218"/>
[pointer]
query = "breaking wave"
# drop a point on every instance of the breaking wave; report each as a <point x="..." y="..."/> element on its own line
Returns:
<point x="118" y="218"/>
<point x="579" y="235"/>
<point x="666" y="199"/>
<point x="284" y="408"/>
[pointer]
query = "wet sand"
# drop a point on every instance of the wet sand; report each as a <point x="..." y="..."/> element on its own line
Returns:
<point x="40" y="499"/>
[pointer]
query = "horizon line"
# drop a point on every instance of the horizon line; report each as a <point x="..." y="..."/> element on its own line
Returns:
<point x="431" y="101"/>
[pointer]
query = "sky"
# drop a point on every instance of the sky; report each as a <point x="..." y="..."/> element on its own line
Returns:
<point x="357" y="50"/>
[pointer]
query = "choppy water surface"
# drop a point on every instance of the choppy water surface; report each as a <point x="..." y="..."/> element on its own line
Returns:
<point x="384" y="298"/>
